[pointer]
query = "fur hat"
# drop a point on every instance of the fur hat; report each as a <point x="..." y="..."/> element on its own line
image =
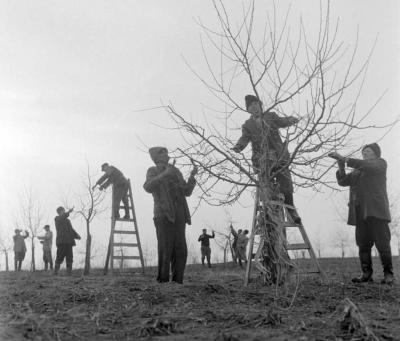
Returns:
<point x="104" y="165"/>
<point x="250" y="99"/>
<point x="155" y="151"/>
<point x="375" y="148"/>
<point x="46" y="227"/>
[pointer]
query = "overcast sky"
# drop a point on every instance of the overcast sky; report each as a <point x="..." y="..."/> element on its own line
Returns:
<point x="74" y="75"/>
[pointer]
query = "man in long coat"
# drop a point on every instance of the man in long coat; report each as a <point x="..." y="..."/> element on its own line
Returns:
<point x="268" y="150"/>
<point x="171" y="213"/>
<point x="368" y="208"/>
<point x="19" y="248"/>
<point x="65" y="240"/>
<point x="47" y="242"/>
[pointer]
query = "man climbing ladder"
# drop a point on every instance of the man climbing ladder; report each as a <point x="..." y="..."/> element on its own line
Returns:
<point x="114" y="176"/>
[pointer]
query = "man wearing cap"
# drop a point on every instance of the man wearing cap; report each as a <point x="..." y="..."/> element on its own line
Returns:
<point x="205" y="246"/>
<point x="235" y="253"/>
<point x="19" y="248"/>
<point x="368" y="208"/>
<point x="262" y="130"/>
<point x="114" y="176"/>
<point x="47" y="242"/>
<point x="171" y="213"/>
<point x="65" y="240"/>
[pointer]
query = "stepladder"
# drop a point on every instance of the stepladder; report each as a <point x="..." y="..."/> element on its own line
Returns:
<point x="287" y="225"/>
<point x="124" y="247"/>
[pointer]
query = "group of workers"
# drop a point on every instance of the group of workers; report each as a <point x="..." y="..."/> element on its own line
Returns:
<point x="368" y="206"/>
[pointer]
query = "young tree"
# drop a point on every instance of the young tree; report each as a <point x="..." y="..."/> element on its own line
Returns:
<point x="341" y="240"/>
<point x="313" y="77"/>
<point x="5" y="247"/>
<point x="90" y="206"/>
<point x="30" y="218"/>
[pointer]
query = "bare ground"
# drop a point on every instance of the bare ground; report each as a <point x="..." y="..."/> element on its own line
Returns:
<point x="212" y="304"/>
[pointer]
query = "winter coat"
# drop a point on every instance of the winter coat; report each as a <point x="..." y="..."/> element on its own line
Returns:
<point x="367" y="188"/>
<point x="112" y="176"/>
<point x="169" y="192"/>
<point x="252" y="132"/>
<point x="65" y="232"/>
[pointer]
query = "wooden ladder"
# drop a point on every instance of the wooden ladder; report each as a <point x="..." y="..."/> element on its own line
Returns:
<point x="129" y="228"/>
<point x="286" y="221"/>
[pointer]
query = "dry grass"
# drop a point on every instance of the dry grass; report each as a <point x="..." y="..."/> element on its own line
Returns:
<point x="211" y="305"/>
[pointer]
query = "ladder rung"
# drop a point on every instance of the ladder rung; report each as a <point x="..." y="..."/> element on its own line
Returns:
<point x="122" y="219"/>
<point x="124" y="232"/>
<point x="300" y="246"/>
<point x="126" y="244"/>
<point x="126" y="257"/>
<point x="121" y="207"/>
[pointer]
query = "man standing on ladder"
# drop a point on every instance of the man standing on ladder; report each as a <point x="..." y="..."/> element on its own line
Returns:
<point x="115" y="177"/>
<point x="277" y="155"/>
<point x="171" y="213"/>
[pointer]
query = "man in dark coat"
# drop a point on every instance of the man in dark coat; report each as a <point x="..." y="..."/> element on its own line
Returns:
<point x="65" y="240"/>
<point x="262" y="130"/>
<point x="235" y="253"/>
<point x="205" y="246"/>
<point x="114" y="176"/>
<point x="368" y="208"/>
<point x="171" y="213"/>
<point x="19" y="248"/>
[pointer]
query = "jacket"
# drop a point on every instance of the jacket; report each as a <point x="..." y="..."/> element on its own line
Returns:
<point x="168" y="192"/>
<point x="112" y="176"/>
<point x="252" y="131"/>
<point x="367" y="188"/>
<point x="65" y="232"/>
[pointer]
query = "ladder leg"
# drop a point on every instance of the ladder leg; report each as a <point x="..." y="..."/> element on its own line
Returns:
<point x="311" y="251"/>
<point x="132" y="205"/>
<point x="252" y="235"/>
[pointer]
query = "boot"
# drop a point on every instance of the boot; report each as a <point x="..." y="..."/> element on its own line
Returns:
<point x="388" y="279"/>
<point x="116" y="214"/>
<point x="366" y="267"/>
<point x="126" y="216"/>
<point x="56" y="268"/>
<point x="293" y="213"/>
<point x="46" y="266"/>
<point x="51" y="265"/>
<point x="19" y="265"/>
<point x="15" y="265"/>
<point x="386" y="259"/>
<point x="69" y="269"/>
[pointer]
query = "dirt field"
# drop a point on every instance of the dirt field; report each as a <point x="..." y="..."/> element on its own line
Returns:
<point x="212" y="304"/>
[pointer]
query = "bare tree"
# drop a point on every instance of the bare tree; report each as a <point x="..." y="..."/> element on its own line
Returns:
<point x="5" y="247"/>
<point x="223" y="241"/>
<point x="90" y="206"/>
<point x="29" y="218"/>
<point x="315" y="79"/>
<point x="341" y="240"/>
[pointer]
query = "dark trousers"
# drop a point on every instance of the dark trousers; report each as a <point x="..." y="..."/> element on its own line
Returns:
<point x="172" y="249"/>
<point x="120" y="193"/>
<point x="372" y="231"/>
<point x="205" y="253"/>
<point x="64" y="251"/>
<point x="47" y="259"/>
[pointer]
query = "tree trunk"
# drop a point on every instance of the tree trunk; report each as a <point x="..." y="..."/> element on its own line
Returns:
<point x="275" y="257"/>
<point x="33" y="265"/>
<point x="6" y="254"/>
<point x="88" y="249"/>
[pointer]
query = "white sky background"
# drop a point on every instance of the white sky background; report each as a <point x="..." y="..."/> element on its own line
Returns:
<point x="73" y="75"/>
